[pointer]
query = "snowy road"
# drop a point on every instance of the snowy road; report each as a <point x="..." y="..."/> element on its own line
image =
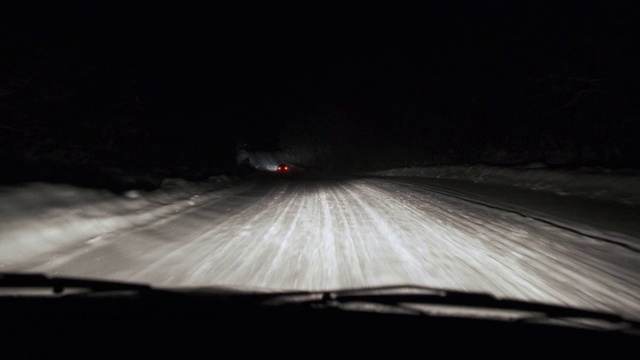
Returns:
<point x="329" y="234"/>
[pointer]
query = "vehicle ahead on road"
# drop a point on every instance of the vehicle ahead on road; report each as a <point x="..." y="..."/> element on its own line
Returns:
<point x="41" y="315"/>
<point x="289" y="171"/>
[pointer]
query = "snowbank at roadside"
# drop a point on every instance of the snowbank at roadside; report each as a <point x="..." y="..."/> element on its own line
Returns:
<point x="39" y="217"/>
<point x="620" y="186"/>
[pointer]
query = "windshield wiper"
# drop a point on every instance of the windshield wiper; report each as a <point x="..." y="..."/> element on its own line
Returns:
<point x="404" y="296"/>
<point x="59" y="284"/>
<point x="408" y="299"/>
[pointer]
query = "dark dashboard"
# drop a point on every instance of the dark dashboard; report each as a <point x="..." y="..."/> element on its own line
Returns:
<point x="150" y="322"/>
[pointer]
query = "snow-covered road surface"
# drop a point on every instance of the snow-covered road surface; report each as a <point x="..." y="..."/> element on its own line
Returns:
<point x="343" y="233"/>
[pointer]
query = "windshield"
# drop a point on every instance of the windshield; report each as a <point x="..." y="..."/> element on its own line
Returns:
<point x="474" y="146"/>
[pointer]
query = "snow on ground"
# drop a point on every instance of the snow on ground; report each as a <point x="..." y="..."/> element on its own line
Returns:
<point x="619" y="186"/>
<point x="37" y="218"/>
<point x="40" y="217"/>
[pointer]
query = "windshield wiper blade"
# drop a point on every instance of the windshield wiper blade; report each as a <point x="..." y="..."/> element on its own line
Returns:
<point x="400" y="295"/>
<point x="59" y="284"/>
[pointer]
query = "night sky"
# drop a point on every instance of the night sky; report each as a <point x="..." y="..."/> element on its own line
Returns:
<point x="167" y="85"/>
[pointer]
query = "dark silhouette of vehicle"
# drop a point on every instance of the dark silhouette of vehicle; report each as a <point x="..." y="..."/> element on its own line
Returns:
<point x="289" y="171"/>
